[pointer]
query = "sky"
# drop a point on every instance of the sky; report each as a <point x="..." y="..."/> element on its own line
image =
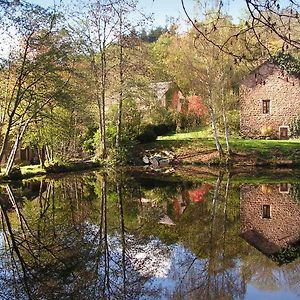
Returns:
<point x="163" y="10"/>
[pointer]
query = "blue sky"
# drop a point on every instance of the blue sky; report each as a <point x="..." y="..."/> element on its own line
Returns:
<point x="164" y="9"/>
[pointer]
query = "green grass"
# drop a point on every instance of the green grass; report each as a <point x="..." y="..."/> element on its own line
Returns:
<point x="32" y="169"/>
<point x="289" y="149"/>
<point x="201" y="134"/>
<point x="265" y="146"/>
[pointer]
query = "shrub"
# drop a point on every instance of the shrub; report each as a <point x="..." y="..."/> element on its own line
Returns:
<point x="56" y="168"/>
<point x="266" y="131"/>
<point x="88" y="140"/>
<point x="295" y="127"/>
<point x="164" y="128"/>
<point x="234" y="121"/>
<point x="191" y="121"/>
<point x="15" y="174"/>
<point x="148" y="135"/>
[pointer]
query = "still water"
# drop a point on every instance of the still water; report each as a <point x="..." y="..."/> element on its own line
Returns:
<point x="99" y="236"/>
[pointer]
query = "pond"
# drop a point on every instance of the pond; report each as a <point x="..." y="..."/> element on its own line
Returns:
<point x="108" y="236"/>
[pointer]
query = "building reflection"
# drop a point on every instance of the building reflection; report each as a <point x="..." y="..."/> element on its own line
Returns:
<point x="270" y="217"/>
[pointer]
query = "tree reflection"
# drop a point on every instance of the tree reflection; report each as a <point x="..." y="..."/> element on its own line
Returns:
<point x="99" y="236"/>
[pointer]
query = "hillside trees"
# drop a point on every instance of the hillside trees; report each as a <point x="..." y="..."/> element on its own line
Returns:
<point x="201" y="69"/>
<point x="269" y="26"/>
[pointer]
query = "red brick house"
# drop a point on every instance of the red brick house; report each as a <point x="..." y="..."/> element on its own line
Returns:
<point x="170" y="96"/>
<point x="195" y="105"/>
<point x="269" y="100"/>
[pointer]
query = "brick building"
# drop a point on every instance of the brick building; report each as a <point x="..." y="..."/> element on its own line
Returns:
<point x="270" y="217"/>
<point x="170" y="96"/>
<point x="269" y="100"/>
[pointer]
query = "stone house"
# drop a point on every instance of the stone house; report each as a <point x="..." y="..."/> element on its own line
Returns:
<point x="269" y="100"/>
<point x="270" y="217"/>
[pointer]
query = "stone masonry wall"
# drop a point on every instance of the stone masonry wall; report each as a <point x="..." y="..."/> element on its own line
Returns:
<point x="268" y="83"/>
<point x="282" y="228"/>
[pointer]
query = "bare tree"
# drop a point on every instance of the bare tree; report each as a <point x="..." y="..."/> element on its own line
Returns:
<point x="266" y="19"/>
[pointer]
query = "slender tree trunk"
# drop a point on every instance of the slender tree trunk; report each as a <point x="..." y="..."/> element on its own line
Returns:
<point x="41" y="158"/>
<point x="103" y="149"/>
<point x="48" y="153"/>
<point x="5" y="141"/>
<point x="214" y="128"/>
<point x="12" y="155"/>
<point x="103" y="49"/>
<point x="225" y="121"/>
<point x="121" y="82"/>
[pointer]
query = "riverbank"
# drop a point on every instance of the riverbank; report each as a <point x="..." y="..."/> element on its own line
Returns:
<point x="198" y="148"/>
<point x="192" y="152"/>
<point x="30" y="171"/>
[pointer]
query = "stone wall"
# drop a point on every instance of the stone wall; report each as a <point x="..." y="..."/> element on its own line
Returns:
<point x="268" y="82"/>
<point x="269" y="235"/>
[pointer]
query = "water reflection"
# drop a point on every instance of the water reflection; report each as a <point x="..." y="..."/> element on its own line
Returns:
<point x="270" y="218"/>
<point x="96" y="236"/>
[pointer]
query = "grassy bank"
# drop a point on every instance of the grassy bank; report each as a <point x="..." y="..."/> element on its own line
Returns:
<point x="199" y="148"/>
<point x="36" y="170"/>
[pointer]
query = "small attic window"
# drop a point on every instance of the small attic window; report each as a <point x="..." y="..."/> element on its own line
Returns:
<point x="266" y="106"/>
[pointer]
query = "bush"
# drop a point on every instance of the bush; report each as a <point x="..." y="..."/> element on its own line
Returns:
<point x="295" y="127"/>
<point x="266" y="131"/>
<point x="88" y="140"/>
<point x="148" y="135"/>
<point x="234" y="121"/>
<point x="15" y="174"/>
<point x="56" y="168"/>
<point x="164" y="128"/>
<point x="191" y="121"/>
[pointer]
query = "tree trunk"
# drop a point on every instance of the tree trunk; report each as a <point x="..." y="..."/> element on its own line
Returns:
<point x="41" y="157"/>
<point x="48" y="153"/>
<point x="5" y="141"/>
<point x="103" y="149"/>
<point x="121" y="82"/>
<point x="225" y="121"/>
<point x="12" y="155"/>
<point x="215" y="132"/>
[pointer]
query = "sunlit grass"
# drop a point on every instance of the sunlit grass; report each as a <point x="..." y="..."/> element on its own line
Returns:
<point x="204" y="139"/>
<point x="28" y="170"/>
<point x="200" y="134"/>
<point x="32" y="169"/>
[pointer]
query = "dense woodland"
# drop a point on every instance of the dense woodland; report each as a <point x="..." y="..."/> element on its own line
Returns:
<point x="76" y="82"/>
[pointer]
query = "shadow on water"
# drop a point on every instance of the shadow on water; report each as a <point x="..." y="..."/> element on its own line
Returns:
<point x="99" y="236"/>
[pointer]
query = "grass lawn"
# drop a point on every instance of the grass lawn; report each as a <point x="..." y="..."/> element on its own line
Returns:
<point x="203" y="139"/>
<point x="30" y="170"/>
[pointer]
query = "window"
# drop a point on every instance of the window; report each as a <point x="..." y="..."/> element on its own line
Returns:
<point x="266" y="211"/>
<point x="284" y="188"/>
<point x="266" y="106"/>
